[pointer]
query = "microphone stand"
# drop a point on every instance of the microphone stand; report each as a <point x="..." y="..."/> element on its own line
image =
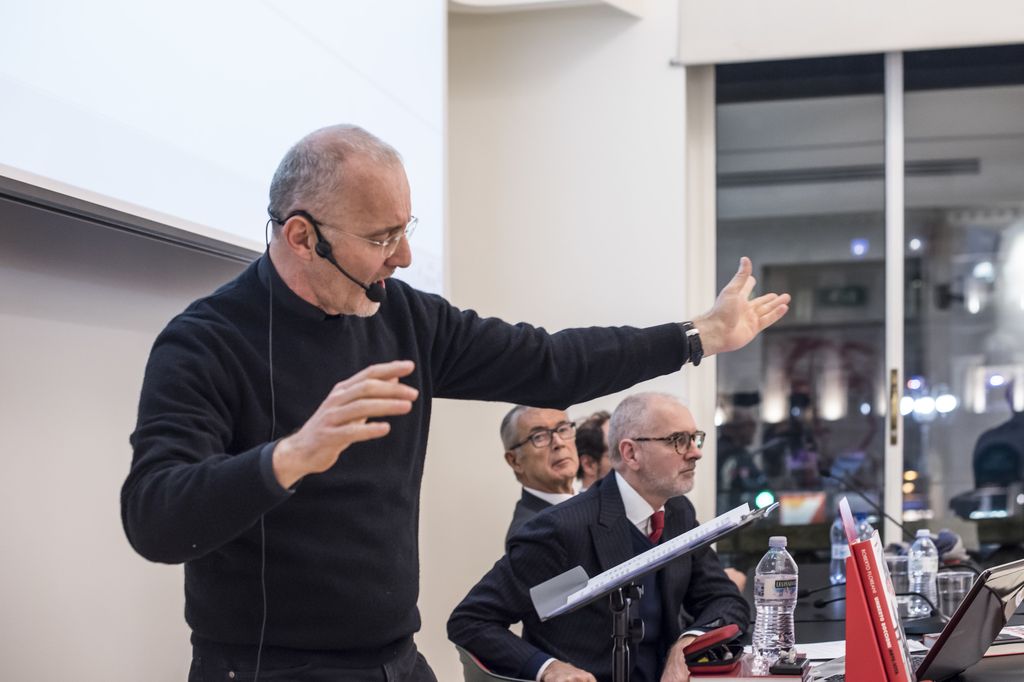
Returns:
<point x="623" y="631"/>
<point x="852" y="486"/>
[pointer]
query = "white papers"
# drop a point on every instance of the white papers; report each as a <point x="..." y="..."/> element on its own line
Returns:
<point x="639" y="564"/>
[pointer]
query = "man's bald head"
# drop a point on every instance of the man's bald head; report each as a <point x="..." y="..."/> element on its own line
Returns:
<point x="312" y="174"/>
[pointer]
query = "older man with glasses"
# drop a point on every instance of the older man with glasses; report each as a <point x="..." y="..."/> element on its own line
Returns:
<point x="283" y="420"/>
<point x="540" y="447"/>
<point x="655" y="448"/>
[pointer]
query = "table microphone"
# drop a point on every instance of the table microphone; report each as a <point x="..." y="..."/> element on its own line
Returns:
<point x="852" y="486"/>
<point x="801" y="594"/>
<point x="911" y="626"/>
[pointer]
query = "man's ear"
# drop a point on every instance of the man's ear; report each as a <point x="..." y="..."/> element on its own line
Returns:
<point x="298" y="235"/>
<point x="628" y="452"/>
<point x="510" y="458"/>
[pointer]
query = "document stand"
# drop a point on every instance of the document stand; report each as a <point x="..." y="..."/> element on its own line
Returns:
<point x="623" y="631"/>
<point x="574" y="589"/>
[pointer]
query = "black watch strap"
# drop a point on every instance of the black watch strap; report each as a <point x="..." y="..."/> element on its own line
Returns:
<point x="694" y="347"/>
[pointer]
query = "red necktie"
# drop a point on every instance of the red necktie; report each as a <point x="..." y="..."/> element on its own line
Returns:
<point x="657" y="525"/>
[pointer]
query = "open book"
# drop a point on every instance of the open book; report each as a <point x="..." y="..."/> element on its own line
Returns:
<point x="574" y="588"/>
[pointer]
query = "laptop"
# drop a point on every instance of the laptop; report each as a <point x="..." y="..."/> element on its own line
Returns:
<point x="973" y="627"/>
<point x="976" y="623"/>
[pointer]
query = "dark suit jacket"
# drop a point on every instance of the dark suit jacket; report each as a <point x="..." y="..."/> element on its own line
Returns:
<point x="590" y="530"/>
<point x="526" y="508"/>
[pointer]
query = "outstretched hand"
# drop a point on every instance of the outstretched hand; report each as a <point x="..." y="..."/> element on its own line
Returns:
<point x="343" y="419"/>
<point x="735" y="318"/>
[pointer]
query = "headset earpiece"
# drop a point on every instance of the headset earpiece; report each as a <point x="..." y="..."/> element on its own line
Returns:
<point x="323" y="248"/>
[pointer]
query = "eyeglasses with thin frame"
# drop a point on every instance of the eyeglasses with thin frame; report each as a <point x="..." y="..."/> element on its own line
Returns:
<point x="387" y="246"/>
<point x="680" y="440"/>
<point x="541" y="438"/>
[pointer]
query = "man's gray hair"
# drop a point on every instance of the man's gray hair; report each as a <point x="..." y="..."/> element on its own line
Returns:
<point x="310" y="176"/>
<point x="630" y="418"/>
<point x="510" y="427"/>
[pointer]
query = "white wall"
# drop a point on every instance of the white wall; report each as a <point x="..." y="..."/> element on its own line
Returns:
<point x="79" y="308"/>
<point x="720" y="31"/>
<point x="566" y="173"/>
<point x="180" y="113"/>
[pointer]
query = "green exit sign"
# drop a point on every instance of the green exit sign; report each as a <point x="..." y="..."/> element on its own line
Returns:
<point x="847" y="296"/>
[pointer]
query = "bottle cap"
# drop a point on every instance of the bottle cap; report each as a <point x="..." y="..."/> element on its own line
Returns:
<point x="923" y="533"/>
<point x="777" y="541"/>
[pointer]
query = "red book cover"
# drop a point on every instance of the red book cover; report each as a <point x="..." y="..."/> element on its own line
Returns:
<point x="882" y="604"/>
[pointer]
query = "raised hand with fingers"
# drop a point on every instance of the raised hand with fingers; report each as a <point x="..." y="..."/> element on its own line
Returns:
<point x="343" y="419"/>
<point x="735" y="318"/>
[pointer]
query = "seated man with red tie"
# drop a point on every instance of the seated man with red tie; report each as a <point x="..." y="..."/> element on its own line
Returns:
<point x="654" y="445"/>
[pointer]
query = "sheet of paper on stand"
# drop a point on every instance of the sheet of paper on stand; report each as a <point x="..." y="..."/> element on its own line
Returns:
<point x="574" y="588"/>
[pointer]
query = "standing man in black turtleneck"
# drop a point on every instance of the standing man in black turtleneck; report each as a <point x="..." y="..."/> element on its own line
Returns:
<point x="283" y="419"/>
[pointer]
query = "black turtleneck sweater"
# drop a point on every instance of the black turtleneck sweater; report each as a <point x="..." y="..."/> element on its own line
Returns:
<point x="342" y="554"/>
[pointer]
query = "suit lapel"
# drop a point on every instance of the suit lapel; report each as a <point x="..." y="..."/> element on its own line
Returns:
<point x="612" y="542"/>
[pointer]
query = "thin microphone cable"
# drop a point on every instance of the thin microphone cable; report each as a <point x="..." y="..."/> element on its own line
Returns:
<point x="273" y="433"/>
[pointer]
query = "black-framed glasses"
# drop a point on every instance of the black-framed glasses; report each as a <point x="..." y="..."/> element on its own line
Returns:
<point x="541" y="438"/>
<point x="680" y="440"/>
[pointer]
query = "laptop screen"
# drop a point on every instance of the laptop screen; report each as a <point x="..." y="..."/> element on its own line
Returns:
<point x="993" y="599"/>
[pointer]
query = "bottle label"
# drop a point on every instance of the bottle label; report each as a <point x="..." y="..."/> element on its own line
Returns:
<point x="925" y="564"/>
<point x="840" y="551"/>
<point x="775" y="587"/>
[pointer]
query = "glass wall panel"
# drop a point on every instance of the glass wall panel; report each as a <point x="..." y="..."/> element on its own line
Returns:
<point x="800" y="416"/>
<point x="963" y="401"/>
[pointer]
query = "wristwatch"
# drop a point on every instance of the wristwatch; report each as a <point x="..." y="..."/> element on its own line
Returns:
<point x="694" y="346"/>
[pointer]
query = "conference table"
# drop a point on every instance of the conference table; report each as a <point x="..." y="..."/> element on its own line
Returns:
<point x="828" y="623"/>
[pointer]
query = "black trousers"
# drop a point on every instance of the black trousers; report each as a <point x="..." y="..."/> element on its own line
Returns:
<point x="220" y="666"/>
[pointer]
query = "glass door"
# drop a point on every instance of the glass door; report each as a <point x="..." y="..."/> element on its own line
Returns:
<point x="801" y="189"/>
<point x="963" y="402"/>
<point x="913" y="400"/>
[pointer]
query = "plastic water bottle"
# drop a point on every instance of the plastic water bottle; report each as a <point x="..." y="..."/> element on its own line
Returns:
<point x="775" y="588"/>
<point x="840" y="550"/>
<point x="922" y="569"/>
<point x="864" y="528"/>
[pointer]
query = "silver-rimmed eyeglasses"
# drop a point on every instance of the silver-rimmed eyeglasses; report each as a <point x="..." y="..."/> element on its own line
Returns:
<point x="389" y="245"/>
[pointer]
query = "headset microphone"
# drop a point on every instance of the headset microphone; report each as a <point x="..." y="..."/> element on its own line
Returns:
<point x="375" y="291"/>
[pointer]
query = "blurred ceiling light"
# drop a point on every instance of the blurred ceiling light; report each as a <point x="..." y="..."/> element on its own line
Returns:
<point x="946" y="403"/>
<point x="924" y="406"/>
<point x="915" y="244"/>
<point x="996" y="380"/>
<point x="859" y="247"/>
<point x="719" y="416"/>
<point x="909" y="475"/>
<point x="984" y="270"/>
<point x="908" y="488"/>
<point x="865" y="409"/>
<point x="915" y="383"/>
<point x="906" y="405"/>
